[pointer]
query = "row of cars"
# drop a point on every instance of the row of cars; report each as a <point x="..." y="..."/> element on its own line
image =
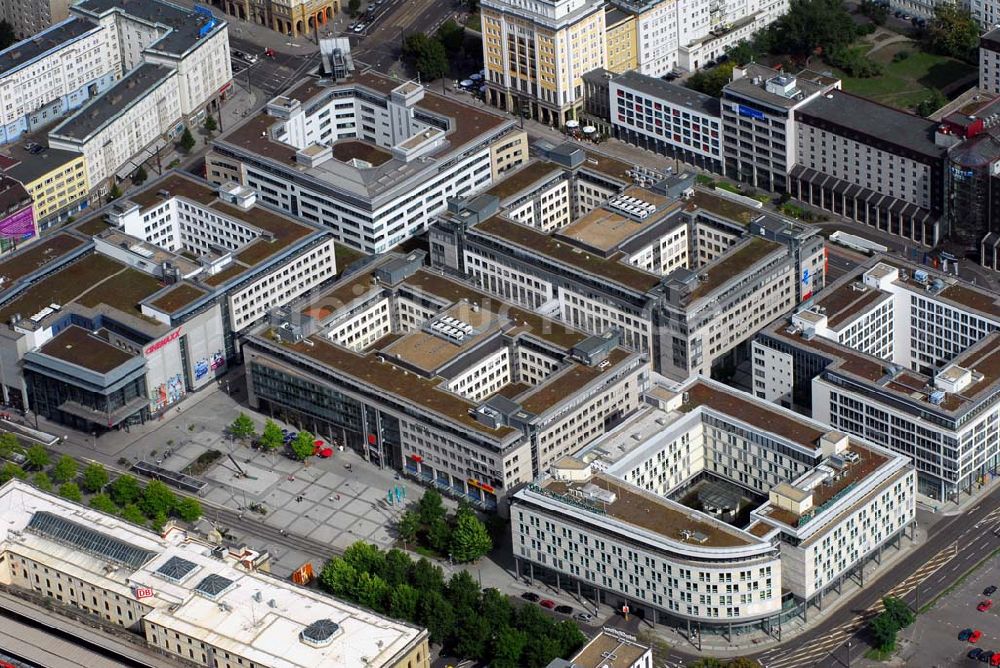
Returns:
<point x="970" y="635"/>
<point x="561" y="609"/>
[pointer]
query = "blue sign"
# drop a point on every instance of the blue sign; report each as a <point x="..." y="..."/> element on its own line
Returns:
<point x="750" y="111"/>
<point x="805" y="276"/>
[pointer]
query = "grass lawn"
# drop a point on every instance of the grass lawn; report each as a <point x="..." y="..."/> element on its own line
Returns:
<point x="905" y="83"/>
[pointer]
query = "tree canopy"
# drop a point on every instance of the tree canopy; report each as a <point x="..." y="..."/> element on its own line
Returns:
<point x="37" y="456"/>
<point x="64" y="470"/>
<point x="425" y="54"/>
<point x="243" y="427"/>
<point x="71" y="491"/>
<point x="469" y="539"/>
<point x="125" y="490"/>
<point x="302" y="445"/>
<point x="94" y="478"/>
<point x="271" y="437"/>
<point x="953" y="32"/>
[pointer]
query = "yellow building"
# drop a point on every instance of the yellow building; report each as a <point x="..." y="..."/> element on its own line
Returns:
<point x="55" y="179"/>
<point x="289" y="17"/>
<point x="623" y="53"/>
<point x="535" y="56"/>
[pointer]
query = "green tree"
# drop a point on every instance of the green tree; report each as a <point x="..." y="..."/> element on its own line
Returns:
<point x="125" y="490"/>
<point x="508" y="645"/>
<point x="71" y="491"/>
<point x="271" y="437"/>
<point x="140" y="176"/>
<point x="133" y="513"/>
<point x="462" y="592"/>
<point x="935" y="100"/>
<point x="365" y="557"/>
<point x="569" y="637"/>
<point x="742" y="662"/>
<point x="158" y="521"/>
<point x="469" y="539"/>
<point x="854" y="63"/>
<point x="353" y="6"/>
<point x="395" y="568"/>
<point x="187" y="140"/>
<point x="7" y="36"/>
<point x="157" y="499"/>
<point x="811" y="26"/>
<point x="114" y="193"/>
<point x="744" y="52"/>
<point x="188" y="509"/>
<point x="338" y="577"/>
<point x="302" y="445"/>
<point x="371" y="591"/>
<point x="408" y="526"/>
<point x="874" y="11"/>
<point x="540" y="651"/>
<point x="708" y="662"/>
<point x="426" y="576"/>
<point x="210" y="124"/>
<point x="495" y="606"/>
<point x="430" y="508"/>
<point x="439" y="536"/>
<point x="898" y="611"/>
<point x="711" y="82"/>
<point x="64" y="470"/>
<point x="473" y="6"/>
<point x="403" y="602"/>
<point x="37" y="457"/>
<point x="883" y="632"/>
<point x="11" y="470"/>
<point x="9" y="444"/>
<point x="243" y="428"/>
<point x="472" y="636"/>
<point x="42" y="481"/>
<point x="452" y="37"/>
<point x="94" y="478"/>
<point x="436" y="614"/>
<point x="953" y="32"/>
<point x="103" y="503"/>
<point x="426" y="55"/>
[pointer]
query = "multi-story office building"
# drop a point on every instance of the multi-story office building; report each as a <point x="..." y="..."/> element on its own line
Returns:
<point x="901" y="356"/>
<point x="667" y="118"/>
<point x="371" y="159"/>
<point x="293" y="18"/>
<point x="125" y="126"/>
<point x="847" y="162"/>
<point x="105" y="326"/>
<point x="622" y="47"/>
<point x="17" y="216"/>
<point x="989" y="62"/>
<point x="431" y="376"/>
<point x="30" y="17"/>
<point x="535" y="54"/>
<point x="189" y="599"/>
<point x="52" y="73"/>
<point x="710" y="507"/>
<point x="55" y="179"/>
<point x="758" y="121"/>
<point x="686" y="275"/>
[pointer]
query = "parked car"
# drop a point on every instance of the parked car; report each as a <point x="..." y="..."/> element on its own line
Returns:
<point x="974" y="653"/>
<point x="583" y="617"/>
<point x="975" y="636"/>
<point x="984" y="605"/>
<point x="359" y="28"/>
<point x="964" y="634"/>
<point x="989" y="591"/>
<point x="995" y="659"/>
<point x="530" y="596"/>
<point x="987" y="656"/>
<point x="564" y="609"/>
<point x="547" y="603"/>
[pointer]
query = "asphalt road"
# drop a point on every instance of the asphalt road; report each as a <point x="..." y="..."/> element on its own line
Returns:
<point x="380" y="44"/>
<point x="269" y="74"/>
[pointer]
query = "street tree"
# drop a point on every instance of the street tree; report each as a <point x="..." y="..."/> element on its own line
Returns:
<point x="462" y="592"/>
<point x="452" y="37"/>
<point x="495" y="606"/>
<point x="114" y="193"/>
<point x="371" y="591"/>
<point x="469" y="539"/>
<point x="436" y="614"/>
<point x="140" y="176"/>
<point x="426" y="576"/>
<point x="133" y="513"/>
<point x="508" y="645"/>
<point x="11" y="470"/>
<point x="953" y="32"/>
<point x="8" y="444"/>
<point x="883" y="632"/>
<point x="472" y="635"/>
<point x="408" y="526"/>
<point x="302" y="445"/>
<point x="539" y="651"/>
<point x="243" y="428"/>
<point x="42" y="481"/>
<point x="37" y="456"/>
<point x="365" y="557"/>
<point x="210" y="124"/>
<point x="430" y="507"/>
<point x="439" y="536"/>
<point x="898" y="611"/>
<point x="64" y="470"/>
<point x="71" y="491"/>
<point x="125" y="490"/>
<point x="187" y="140"/>
<point x="94" y="478"/>
<point x="271" y="437"/>
<point x="188" y="509"/>
<point x="427" y="55"/>
<point x="157" y="499"/>
<point x="338" y="577"/>
<point x="103" y="503"/>
<point x="396" y="567"/>
<point x="403" y="602"/>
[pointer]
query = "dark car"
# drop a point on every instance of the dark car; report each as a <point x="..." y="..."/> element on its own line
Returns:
<point x="964" y="634"/>
<point x="533" y="597"/>
<point x="564" y="609"/>
<point x="986" y="655"/>
<point x="974" y="653"/>
<point x="989" y="591"/>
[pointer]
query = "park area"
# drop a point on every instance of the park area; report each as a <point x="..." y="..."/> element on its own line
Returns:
<point x="908" y="75"/>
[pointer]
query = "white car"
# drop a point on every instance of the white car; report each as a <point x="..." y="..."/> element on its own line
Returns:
<point x="359" y="28"/>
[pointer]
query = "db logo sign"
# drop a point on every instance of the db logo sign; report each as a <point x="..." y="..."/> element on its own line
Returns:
<point x="143" y="592"/>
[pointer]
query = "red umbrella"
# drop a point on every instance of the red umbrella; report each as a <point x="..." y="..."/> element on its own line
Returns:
<point x="318" y="442"/>
<point x="326" y="452"/>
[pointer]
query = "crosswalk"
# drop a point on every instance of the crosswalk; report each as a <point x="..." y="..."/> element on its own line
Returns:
<point x="823" y="646"/>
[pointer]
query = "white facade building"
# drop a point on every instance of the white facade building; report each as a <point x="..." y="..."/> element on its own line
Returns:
<point x="820" y="505"/>
<point x="989" y="61"/>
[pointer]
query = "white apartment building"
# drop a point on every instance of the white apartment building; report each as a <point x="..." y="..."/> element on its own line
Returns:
<point x="633" y="269"/>
<point x="186" y="597"/>
<point x="846" y="162"/>
<point x="428" y="375"/>
<point x="371" y="159"/>
<point x="52" y="73"/>
<point x="900" y="356"/>
<point x="667" y="118"/>
<point x="193" y="42"/>
<point x="989" y="61"/>
<point x="788" y="505"/>
<point x="30" y="17"/>
<point x="758" y="122"/>
<point x="128" y="123"/>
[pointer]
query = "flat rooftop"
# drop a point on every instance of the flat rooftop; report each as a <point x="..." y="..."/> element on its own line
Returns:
<point x="109" y="105"/>
<point x="29" y="260"/>
<point x="78" y="346"/>
<point x="722" y="207"/>
<point x="522" y="178"/>
<point x="429" y="352"/>
<point x="62" y="286"/>
<point x="607" y="651"/>
<point x="648" y="511"/>
<point x="605" y="230"/>
<point x="978" y="300"/>
<point x="21" y="53"/>
<point x="179" y="26"/>
<point x="611" y="268"/>
<point x="123" y="291"/>
<point x="32" y="166"/>
<point x="849" y="301"/>
<point x="346" y="150"/>
<point x="732" y="264"/>
<point x="178" y="297"/>
<point x="673" y="93"/>
<point x="745" y="86"/>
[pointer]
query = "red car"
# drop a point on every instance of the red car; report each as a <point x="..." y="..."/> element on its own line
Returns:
<point x="985" y="605"/>
<point x="975" y="636"/>
<point x="995" y="659"/>
<point x="547" y="603"/>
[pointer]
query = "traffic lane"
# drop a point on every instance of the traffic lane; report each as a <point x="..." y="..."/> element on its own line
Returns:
<point x="383" y="43"/>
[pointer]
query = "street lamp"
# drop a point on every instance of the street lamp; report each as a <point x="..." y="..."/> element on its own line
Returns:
<point x="849" y="654"/>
